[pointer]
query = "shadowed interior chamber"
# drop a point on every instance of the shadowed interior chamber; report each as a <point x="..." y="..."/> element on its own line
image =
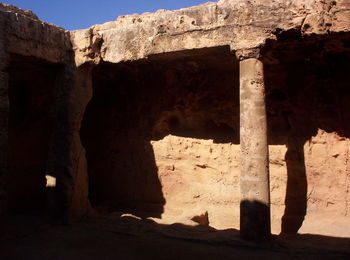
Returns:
<point x="190" y="94"/>
<point x="195" y="94"/>
<point x="31" y="94"/>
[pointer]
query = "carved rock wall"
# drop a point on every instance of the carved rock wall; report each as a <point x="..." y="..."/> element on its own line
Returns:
<point x="199" y="176"/>
<point x="186" y="106"/>
<point x="239" y="24"/>
<point x="134" y="104"/>
<point x="39" y="85"/>
<point x="161" y="130"/>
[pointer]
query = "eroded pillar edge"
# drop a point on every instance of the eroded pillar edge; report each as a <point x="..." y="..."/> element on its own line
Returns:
<point x="67" y="160"/>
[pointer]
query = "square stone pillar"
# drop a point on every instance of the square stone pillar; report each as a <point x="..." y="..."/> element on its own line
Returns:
<point x="67" y="161"/>
<point x="254" y="182"/>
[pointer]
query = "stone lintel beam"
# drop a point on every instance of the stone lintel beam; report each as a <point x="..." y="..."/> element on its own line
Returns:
<point x="254" y="181"/>
<point x="67" y="161"/>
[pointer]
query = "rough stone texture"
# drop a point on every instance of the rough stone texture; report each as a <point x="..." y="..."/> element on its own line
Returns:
<point x="30" y="37"/>
<point x="40" y="61"/>
<point x="255" y="184"/>
<point x="240" y="24"/>
<point x="215" y="188"/>
<point x="306" y="95"/>
<point x="67" y="161"/>
<point x="4" y="111"/>
<point x="161" y="130"/>
<point x="196" y="169"/>
<point x="123" y="119"/>
<point x="14" y="9"/>
<point x="206" y="174"/>
<point x="327" y="166"/>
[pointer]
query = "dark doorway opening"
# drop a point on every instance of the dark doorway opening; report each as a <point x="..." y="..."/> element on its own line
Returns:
<point x="31" y="97"/>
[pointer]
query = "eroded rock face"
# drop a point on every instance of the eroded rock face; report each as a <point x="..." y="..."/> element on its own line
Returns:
<point x="153" y="101"/>
<point x="137" y="103"/>
<point x="239" y="24"/>
<point x="40" y="115"/>
<point x="14" y="9"/>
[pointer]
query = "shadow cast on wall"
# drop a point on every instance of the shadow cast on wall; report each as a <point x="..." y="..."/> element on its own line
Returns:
<point x="307" y="89"/>
<point x="190" y="94"/>
<point x="121" y="163"/>
<point x="195" y="94"/>
<point x="135" y="103"/>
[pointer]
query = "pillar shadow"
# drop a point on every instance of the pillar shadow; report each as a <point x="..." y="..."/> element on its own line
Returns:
<point x="307" y="90"/>
<point x="296" y="193"/>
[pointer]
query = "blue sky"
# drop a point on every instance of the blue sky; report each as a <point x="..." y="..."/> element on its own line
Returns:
<point x="79" y="14"/>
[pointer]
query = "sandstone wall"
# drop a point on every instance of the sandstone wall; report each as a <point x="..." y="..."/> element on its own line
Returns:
<point x="199" y="176"/>
<point x="240" y="24"/>
<point x="28" y="36"/>
<point x="39" y="78"/>
<point x="133" y="104"/>
<point x="161" y="131"/>
<point x="186" y="106"/>
<point x="327" y="168"/>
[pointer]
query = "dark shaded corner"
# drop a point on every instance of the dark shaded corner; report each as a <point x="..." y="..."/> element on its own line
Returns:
<point x="31" y="97"/>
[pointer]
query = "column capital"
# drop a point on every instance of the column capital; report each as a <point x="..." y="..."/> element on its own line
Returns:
<point x="243" y="54"/>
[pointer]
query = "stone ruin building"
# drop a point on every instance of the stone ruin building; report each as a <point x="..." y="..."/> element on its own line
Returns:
<point x="234" y="114"/>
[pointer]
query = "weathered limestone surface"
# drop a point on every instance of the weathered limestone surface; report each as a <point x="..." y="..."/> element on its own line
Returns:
<point x="67" y="160"/>
<point x="198" y="177"/>
<point x="23" y="35"/>
<point x="255" y="183"/>
<point x="240" y="24"/>
<point x="28" y="36"/>
<point x="14" y="9"/>
<point x="215" y="188"/>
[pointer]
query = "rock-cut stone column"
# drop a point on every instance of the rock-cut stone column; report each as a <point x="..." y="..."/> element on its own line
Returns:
<point x="67" y="162"/>
<point x="254" y="181"/>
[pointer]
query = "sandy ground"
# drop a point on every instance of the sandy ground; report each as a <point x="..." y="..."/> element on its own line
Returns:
<point x="115" y="237"/>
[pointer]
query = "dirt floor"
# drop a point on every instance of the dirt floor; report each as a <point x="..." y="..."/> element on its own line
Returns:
<point x="116" y="237"/>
